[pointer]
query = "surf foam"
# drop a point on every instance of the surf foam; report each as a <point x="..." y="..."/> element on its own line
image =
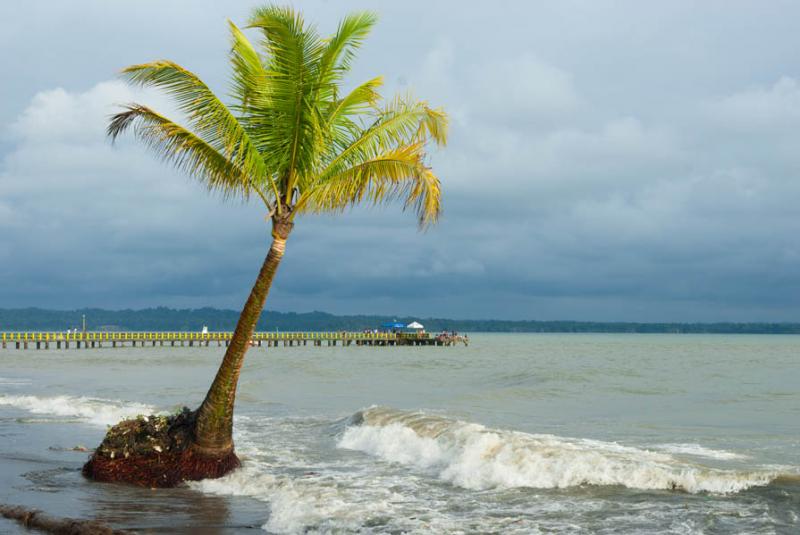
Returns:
<point x="94" y="410"/>
<point x="5" y="381"/>
<point x="474" y="457"/>
<point x="296" y="504"/>
<point x="697" y="450"/>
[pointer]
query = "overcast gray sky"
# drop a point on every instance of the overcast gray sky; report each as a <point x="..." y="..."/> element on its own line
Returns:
<point x="617" y="160"/>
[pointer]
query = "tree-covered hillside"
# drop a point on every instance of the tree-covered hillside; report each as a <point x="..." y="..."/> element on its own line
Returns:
<point x="168" y="319"/>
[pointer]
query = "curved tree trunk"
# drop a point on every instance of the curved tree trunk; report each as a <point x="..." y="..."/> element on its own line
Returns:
<point x="163" y="451"/>
<point x="214" y="426"/>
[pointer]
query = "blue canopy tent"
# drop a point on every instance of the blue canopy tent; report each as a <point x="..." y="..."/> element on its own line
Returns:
<point x="393" y="325"/>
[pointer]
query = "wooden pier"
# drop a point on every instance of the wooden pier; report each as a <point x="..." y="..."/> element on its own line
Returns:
<point x="88" y="340"/>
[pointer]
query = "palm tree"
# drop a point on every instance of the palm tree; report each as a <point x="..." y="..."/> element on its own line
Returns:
<point x="294" y="140"/>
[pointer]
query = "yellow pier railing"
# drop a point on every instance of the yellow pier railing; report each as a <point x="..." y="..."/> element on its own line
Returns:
<point x="22" y="340"/>
<point x="194" y="336"/>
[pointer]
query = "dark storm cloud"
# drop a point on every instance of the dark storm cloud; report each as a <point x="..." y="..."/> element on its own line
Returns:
<point x="607" y="161"/>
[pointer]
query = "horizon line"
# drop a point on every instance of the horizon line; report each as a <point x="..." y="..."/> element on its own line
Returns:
<point x="407" y="316"/>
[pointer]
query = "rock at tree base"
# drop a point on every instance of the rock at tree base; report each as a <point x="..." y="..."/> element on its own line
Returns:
<point x="156" y="451"/>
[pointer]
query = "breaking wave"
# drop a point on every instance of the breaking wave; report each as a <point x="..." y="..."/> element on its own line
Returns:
<point x="94" y="410"/>
<point x="475" y="457"/>
<point x="294" y="504"/>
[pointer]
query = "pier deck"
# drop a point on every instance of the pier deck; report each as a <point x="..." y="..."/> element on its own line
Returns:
<point x="78" y="340"/>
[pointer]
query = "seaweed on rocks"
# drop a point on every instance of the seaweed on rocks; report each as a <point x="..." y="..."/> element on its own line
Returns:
<point x="156" y="451"/>
<point x="148" y="434"/>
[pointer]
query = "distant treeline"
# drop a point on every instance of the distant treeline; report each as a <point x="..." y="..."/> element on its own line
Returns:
<point x="168" y="319"/>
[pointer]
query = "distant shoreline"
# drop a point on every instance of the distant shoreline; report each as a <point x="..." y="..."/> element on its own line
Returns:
<point x="169" y="319"/>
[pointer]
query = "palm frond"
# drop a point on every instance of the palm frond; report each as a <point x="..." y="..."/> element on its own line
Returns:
<point x="401" y="121"/>
<point x="249" y="73"/>
<point x="340" y="48"/>
<point x="290" y="126"/>
<point x="435" y="125"/>
<point x="207" y="116"/>
<point x="362" y="99"/>
<point x="184" y="150"/>
<point x="398" y="173"/>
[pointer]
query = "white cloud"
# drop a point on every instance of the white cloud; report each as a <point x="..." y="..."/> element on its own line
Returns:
<point x="563" y="163"/>
<point x="761" y="107"/>
<point x="59" y="116"/>
<point x="99" y="216"/>
<point x="522" y="89"/>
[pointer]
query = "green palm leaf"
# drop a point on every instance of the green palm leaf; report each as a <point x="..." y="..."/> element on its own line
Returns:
<point x="185" y="150"/>
<point x="399" y="173"/>
<point x="207" y="116"/>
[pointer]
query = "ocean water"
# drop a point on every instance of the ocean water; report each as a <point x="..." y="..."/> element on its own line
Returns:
<point x="538" y="433"/>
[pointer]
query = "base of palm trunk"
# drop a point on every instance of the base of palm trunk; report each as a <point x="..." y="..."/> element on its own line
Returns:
<point x="156" y="451"/>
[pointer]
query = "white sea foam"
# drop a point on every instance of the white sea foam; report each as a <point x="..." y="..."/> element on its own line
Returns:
<point x="475" y="457"/>
<point x="5" y="381"/>
<point x="697" y="450"/>
<point x="296" y="503"/>
<point x="305" y="493"/>
<point x="95" y="410"/>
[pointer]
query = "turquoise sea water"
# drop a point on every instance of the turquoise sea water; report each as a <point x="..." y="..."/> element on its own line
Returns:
<point x="539" y="433"/>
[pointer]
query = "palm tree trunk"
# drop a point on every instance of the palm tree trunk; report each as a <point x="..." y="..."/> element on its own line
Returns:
<point x="214" y="425"/>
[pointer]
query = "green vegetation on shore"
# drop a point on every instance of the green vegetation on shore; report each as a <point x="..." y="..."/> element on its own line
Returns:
<point x="169" y="319"/>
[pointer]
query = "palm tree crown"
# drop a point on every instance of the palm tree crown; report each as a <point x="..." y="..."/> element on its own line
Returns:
<point x="292" y="137"/>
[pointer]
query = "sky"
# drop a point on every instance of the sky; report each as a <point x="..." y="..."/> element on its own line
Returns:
<point x="608" y="160"/>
